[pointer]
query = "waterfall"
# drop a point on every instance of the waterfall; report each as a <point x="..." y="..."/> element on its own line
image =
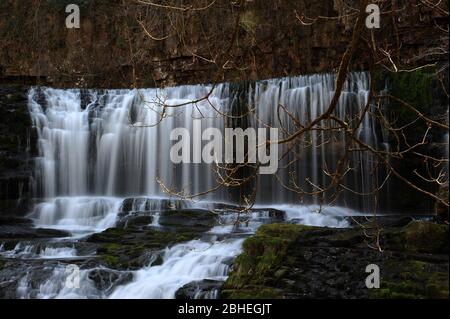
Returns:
<point x="115" y="143"/>
<point x="306" y="98"/>
<point x="104" y="158"/>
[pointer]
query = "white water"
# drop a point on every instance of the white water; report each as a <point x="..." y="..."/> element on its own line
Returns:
<point x="183" y="263"/>
<point x="96" y="150"/>
<point x="78" y="214"/>
<point x="27" y="251"/>
<point x="196" y="260"/>
<point x="207" y="259"/>
<point x="105" y="143"/>
<point x="315" y="215"/>
<point x="91" y="158"/>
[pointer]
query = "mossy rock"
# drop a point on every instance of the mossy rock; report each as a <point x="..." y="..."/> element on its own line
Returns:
<point x="412" y="279"/>
<point x="135" y="220"/>
<point x="109" y="235"/>
<point x="110" y="261"/>
<point x="420" y="237"/>
<point x="131" y="248"/>
<point x="262" y="255"/>
<point x="189" y="213"/>
<point x="294" y="261"/>
<point x="421" y="90"/>
<point x="413" y="87"/>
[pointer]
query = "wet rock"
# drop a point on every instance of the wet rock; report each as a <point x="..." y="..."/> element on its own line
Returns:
<point x="106" y="279"/>
<point x="19" y="231"/>
<point x="420" y="237"/>
<point x="189" y="219"/>
<point x="133" y="247"/>
<point x="223" y="206"/>
<point x="142" y="204"/>
<point x="14" y="220"/>
<point x="135" y="220"/>
<point x="12" y="272"/>
<point x="203" y="289"/>
<point x="274" y="214"/>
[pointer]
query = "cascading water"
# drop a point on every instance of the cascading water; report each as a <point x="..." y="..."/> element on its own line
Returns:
<point x="103" y="154"/>
<point x="113" y="143"/>
<point x="184" y="263"/>
<point x="306" y="98"/>
<point x="116" y="144"/>
<point x="78" y="213"/>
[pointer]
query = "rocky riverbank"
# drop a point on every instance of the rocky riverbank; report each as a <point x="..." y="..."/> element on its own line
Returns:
<point x="295" y="261"/>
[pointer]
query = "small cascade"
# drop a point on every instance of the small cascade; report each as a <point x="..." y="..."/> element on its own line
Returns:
<point x="183" y="263"/>
<point x="78" y="214"/>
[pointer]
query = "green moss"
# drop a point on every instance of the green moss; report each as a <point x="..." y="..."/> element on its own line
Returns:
<point x="120" y="42"/>
<point x="414" y="88"/>
<point x="415" y="279"/>
<point x="109" y="248"/>
<point x="266" y="258"/>
<point x="122" y="248"/>
<point x="262" y="256"/>
<point x="110" y="254"/>
<point x="284" y="231"/>
<point x="111" y="261"/>
<point x="419" y="236"/>
<point x="112" y="235"/>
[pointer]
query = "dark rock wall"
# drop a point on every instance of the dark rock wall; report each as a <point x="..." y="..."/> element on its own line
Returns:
<point x="111" y="49"/>
<point x="17" y="145"/>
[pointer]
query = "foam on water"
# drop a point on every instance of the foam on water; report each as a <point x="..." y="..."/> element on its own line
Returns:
<point x="182" y="264"/>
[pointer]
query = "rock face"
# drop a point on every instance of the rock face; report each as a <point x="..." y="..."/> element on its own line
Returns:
<point x="112" y="49"/>
<point x="14" y="228"/>
<point x="16" y="141"/>
<point x="292" y="261"/>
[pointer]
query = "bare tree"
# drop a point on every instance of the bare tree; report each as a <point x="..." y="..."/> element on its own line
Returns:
<point x="385" y="52"/>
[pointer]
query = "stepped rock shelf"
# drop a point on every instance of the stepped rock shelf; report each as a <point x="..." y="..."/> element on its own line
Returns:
<point x="189" y="254"/>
